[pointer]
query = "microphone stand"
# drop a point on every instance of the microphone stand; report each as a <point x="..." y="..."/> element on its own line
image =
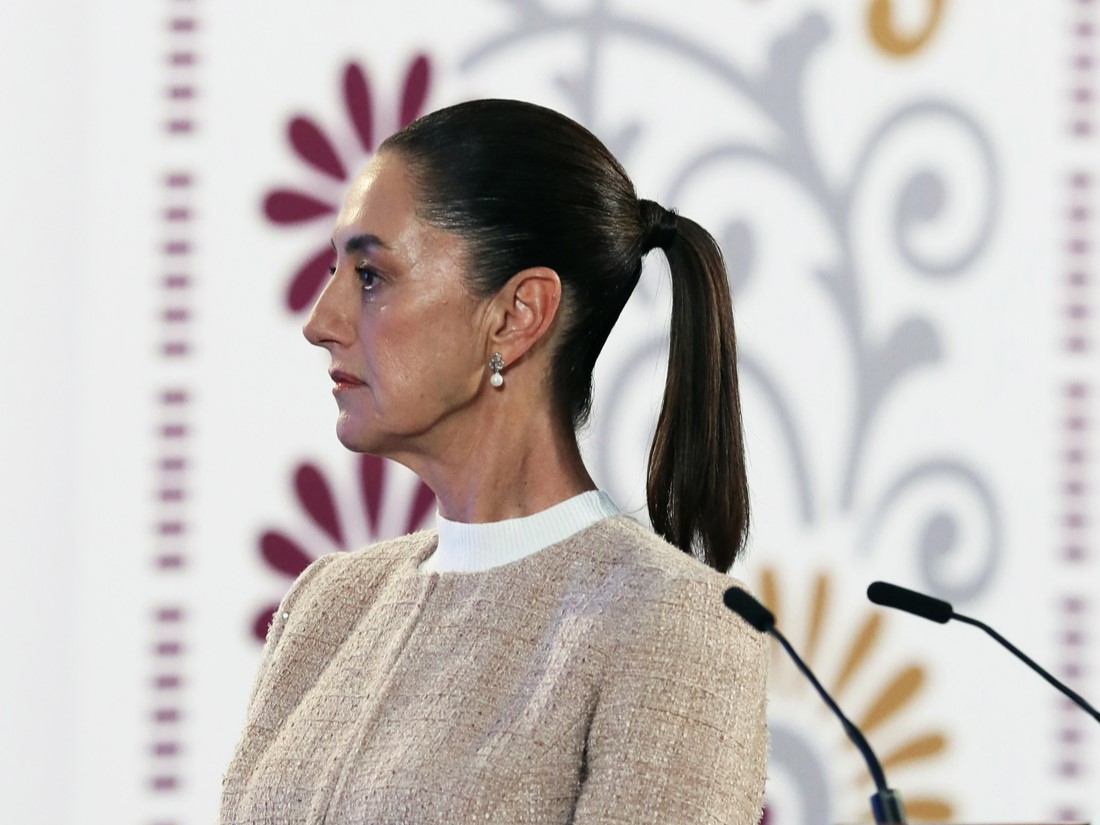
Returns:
<point x="885" y="802"/>
<point x="941" y="612"/>
<point x="1027" y="660"/>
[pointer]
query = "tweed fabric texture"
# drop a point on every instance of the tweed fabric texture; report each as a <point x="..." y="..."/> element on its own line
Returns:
<point x="599" y="680"/>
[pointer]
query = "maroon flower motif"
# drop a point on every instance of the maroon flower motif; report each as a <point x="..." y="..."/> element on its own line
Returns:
<point x="285" y="206"/>
<point x="290" y="556"/>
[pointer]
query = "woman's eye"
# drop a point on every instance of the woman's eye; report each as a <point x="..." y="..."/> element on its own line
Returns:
<point x="368" y="278"/>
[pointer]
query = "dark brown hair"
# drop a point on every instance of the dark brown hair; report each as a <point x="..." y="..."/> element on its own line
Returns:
<point x="526" y="186"/>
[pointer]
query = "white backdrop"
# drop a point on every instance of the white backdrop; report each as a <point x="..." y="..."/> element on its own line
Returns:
<point x="905" y="193"/>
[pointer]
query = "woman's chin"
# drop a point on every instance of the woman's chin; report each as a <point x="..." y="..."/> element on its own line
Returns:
<point x="359" y="438"/>
<point x="352" y="435"/>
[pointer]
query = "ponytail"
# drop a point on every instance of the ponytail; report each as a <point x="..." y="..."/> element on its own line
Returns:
<point x="696" y="489"/>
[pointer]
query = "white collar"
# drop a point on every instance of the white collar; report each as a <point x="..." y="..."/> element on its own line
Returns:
<point x="469" y="547"/>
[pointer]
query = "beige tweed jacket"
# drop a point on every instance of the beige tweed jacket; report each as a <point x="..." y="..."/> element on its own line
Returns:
<point x="599" y="680"/>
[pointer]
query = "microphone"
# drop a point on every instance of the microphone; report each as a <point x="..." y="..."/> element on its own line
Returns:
<point x="885" y="803"/>
<point x="936" y="610"/>
<point x="890" y="595"/>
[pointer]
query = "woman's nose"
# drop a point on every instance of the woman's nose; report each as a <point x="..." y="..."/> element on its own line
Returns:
<point x="329" y="322"/>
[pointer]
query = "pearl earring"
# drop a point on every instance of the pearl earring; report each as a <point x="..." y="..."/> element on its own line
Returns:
<point x="496" y="364"/>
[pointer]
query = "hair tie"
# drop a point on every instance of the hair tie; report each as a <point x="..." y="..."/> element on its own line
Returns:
<point x="658" y="225"/>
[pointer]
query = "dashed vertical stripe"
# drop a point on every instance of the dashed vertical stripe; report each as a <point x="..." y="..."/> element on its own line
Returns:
<point x="173" y="313"/>
<point x="1078" y="254"/>
<point x="1082" y="93"/>
<point x="1075" y="552"/>
<point x="182" y="61"/>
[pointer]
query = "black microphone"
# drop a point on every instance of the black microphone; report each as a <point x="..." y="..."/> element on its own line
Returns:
<point x="890" y="595"/>
<point x="885" y="803"/>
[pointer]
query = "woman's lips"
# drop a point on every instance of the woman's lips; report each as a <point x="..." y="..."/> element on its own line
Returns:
<point x="344" y="380"/>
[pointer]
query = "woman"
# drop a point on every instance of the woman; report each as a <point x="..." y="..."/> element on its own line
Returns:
<point x="540" y="658"/>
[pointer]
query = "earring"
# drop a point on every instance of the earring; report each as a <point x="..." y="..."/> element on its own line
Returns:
<point x="496" y="364"/>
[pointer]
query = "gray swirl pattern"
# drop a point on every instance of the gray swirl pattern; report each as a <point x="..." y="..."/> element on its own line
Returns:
<point x="949" y="561"/>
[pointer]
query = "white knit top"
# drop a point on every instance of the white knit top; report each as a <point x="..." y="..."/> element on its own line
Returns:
<point x="467" y="547"/>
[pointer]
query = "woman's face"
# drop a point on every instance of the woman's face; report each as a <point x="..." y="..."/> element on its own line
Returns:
<point x="405" y="337"/>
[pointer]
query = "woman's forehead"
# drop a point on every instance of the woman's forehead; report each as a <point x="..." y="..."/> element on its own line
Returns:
<point x="378" y="203"/>
<point x="380" y="215"/>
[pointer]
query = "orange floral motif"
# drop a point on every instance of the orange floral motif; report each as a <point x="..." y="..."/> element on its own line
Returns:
<point x="885" y="34"/>
<point x="883" y="712"/>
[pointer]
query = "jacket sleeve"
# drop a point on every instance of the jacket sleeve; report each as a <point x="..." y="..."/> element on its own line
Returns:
<point x="679" y="730"/>
<point x="266" y="707"/>
<point x="280" y="618"/>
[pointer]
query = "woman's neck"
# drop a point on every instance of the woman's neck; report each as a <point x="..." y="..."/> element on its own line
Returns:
<point x="511" y="464"/>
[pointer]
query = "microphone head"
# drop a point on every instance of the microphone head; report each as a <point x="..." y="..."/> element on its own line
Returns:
<point x="749" y="609"/>
<point x="890" y="595"/>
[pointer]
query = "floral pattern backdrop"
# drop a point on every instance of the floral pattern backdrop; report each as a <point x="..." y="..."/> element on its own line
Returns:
<point x="903" y="191"/>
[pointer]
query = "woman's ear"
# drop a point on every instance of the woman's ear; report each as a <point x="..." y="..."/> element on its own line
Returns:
<point x="523" y="311"/>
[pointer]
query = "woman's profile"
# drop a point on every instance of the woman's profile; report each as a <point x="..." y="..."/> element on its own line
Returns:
<point x="539" y="657"/>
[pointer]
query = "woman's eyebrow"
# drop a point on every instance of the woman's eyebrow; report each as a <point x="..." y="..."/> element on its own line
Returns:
<point x="359" y="243"/>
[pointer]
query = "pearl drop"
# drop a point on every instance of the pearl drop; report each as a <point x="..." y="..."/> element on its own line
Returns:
<point x="496" y="379"/>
